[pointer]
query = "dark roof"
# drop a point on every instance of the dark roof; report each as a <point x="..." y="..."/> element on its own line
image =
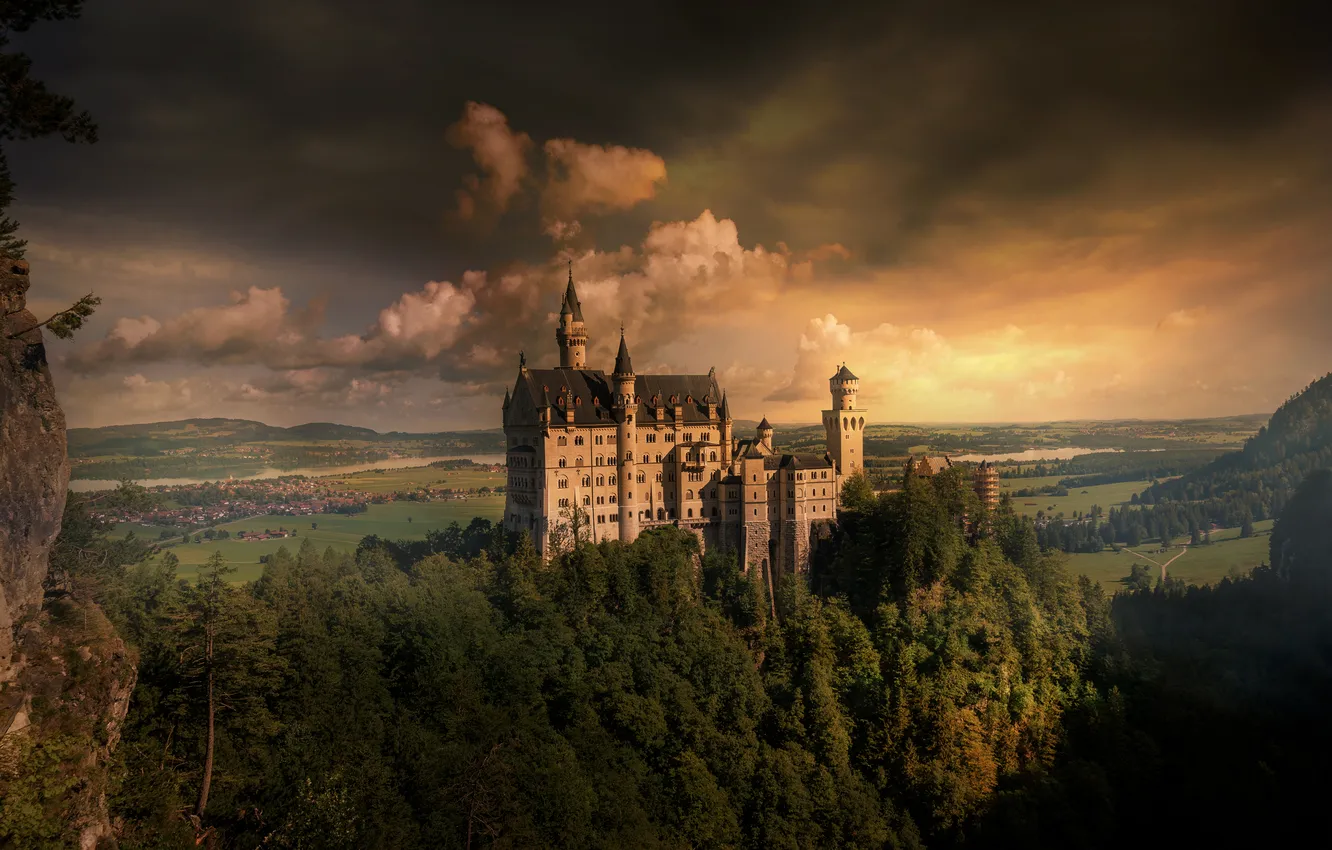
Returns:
<point x="594" y="397"/>
<point x="805" y="461"/>
<point x="764" y="426"/>
<point x="725" y="412"/>
<point x="622" y="364"/>
<point x="844" y="374"/>
<point x="571" y="302"/>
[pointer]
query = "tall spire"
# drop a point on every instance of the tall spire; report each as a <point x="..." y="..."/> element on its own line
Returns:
<point x="622" y="364"/>
<point x="725" y="407"/>
<point x="571" y="302"/>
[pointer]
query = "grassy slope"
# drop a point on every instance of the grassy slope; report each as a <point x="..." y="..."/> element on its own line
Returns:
<point x="1078" y="498"/>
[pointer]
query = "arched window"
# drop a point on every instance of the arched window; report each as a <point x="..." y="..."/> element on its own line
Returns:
<point x="587" y="481"/>
<point x="578" y="461"/>
<point x="845" y="425"/>
<point x="641" y="478"/>
<point x="691" y="513"/>
<point x="611" y="481"/>
<point x="563" y="441"/>
<point x="563" y="483"/>
<point x="712" y="455"/>
<point x="562" y="463"/>
<point x="601" y="480"/>
<point x="658" y="476"/>
<point x="853" y="424"/>
<point x="689" y="494"/>
<point x="862" y="423"/>
<point x="645" y="459"/>
<point x="587" y="500"/>
<point x="661" y="513"/>
<point x="612" y="500"/>
<point x="578" y="441"/>
<point x="596" y="461"/>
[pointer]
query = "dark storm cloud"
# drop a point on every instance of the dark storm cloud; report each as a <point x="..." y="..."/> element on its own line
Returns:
<point x="307" y="125"/>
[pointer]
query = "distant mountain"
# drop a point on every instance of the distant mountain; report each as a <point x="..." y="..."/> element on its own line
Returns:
<point x="155" y="438"/>
<point x="1261" y="477"/>
<point x="331" y="431"/>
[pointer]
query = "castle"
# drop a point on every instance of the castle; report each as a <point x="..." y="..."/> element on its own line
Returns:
<point x="605" y="457"/>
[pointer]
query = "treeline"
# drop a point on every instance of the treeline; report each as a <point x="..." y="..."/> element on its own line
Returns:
<point x="1261" y="478"/>
<point x="936" y="682"/>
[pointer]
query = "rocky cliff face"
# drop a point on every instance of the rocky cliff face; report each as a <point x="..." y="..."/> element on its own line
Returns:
<point x="34" y="468"/>
<point x="65" y="676"/>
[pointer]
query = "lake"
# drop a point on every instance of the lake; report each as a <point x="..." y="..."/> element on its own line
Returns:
<point x="1031" y="454"/>
<point x="91" y="484"/>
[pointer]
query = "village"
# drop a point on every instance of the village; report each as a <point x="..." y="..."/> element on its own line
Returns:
<point x="207" y="504"/>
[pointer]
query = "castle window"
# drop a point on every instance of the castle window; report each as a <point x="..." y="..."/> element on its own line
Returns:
<point x="641" y="478"/>
<point x="714" y="511"/>
<point x="712" y="455"/>
<point x="629" y="457"/>
<point x="755" y="476"/>
<point x="670" y="437"/>
<point x="563" y="441"/>
<point x="611" y="439"/>
<point x="651" y="438"/>
<point x="658" y="477"/>
<point x="862" y="423"/>
<point x="563" y="483"/>
<point x="598" y="439"/>
<point x="578" y="441"/>
<point x="670" y="476"/>
<point x="612" y="500"/>
<point x="587" y="481"/>
<point x="755" y="511"/>
<point x="689" y="438"/>
<point x="658" y="458"/>
<point x="564" y="503"/>
<point x="690" y="514"/>
<point x="601" y="480"/>
<point x="600" y="518"/>
<point x="689" y="494"/>
<point x="587" y="500"/>
<point x="578" y="461"/>
<point x="645" y="458"/>
<point x="611" y="481"/>
<point x="596" y="461"/>
<point x="562" y="463"/>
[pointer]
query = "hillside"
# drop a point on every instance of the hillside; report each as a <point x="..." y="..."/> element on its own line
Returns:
<point x="154" y="438"/>
<point x="1261" y="477"/>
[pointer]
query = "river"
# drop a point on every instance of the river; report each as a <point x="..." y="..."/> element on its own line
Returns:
<point x="89" y="485"/>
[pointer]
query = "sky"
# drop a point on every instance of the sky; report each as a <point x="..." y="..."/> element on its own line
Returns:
<point x="991" y="212"/>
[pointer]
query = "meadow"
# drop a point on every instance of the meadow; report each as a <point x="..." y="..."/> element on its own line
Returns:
<point x="412" y="478"/>
<point x="1227" y="554"/>
<point x="1078" y="498"/>
<point x="394" y="521"/>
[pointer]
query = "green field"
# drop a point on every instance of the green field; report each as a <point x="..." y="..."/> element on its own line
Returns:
<point x="412" y="478"/>
<point x="1078" y="498"/>
<point x="1227" y="554"/>
<point x="341" y="532"/>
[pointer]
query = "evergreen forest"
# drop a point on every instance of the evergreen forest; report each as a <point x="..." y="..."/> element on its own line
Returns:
<point x="932" y="683"/>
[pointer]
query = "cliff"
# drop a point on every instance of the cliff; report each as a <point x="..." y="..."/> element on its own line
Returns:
<point x="65" y="677"/>
<point x="34" y="470"/>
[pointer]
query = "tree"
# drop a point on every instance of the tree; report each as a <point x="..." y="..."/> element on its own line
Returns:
<point x="1246" y="527"/>
<point x="29" y="111"/>
<point x="857" y="492"/>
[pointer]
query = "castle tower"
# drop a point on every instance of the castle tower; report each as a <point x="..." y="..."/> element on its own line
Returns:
<point x="571" y="333"/>
<point x="845" y="423"/>
<point x="725" y="415"/>
<point x="625" y="410"/>
<point x="765" y="434"/>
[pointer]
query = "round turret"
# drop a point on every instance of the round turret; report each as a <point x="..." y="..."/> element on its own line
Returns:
<point x="844" y="386"/>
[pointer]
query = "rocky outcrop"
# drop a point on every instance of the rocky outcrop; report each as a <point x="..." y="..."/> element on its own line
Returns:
<point x="65" y="676"/>
<point x="34" y="468"/>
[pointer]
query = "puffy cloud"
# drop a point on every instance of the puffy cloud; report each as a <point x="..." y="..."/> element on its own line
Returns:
<point x="500" y="153"/>
<point x="598" y="178"/>
<point x="1182" y="319"/>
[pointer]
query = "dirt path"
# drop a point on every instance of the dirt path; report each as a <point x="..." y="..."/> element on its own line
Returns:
<point x="1158" y="563"/>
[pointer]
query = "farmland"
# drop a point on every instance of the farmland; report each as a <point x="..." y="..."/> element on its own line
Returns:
<point x="394" y="520"/>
